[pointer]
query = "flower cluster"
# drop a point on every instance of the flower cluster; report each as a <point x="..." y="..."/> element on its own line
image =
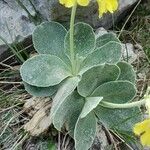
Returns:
<point x="142" y="129"/>
<point x="104" y="5"/>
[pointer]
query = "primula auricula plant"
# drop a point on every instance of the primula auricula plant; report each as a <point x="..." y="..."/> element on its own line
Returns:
<point x="84" y="76"/>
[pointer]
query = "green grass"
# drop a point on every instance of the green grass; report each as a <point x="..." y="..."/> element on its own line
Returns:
<point x="13" y="49"/>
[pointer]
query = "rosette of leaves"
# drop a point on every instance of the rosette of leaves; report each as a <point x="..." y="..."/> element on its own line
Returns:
<point x="79" y="88"/>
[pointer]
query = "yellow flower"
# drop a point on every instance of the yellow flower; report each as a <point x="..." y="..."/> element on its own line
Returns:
<point x="107" y="5"/>
<point x="104" y="5"/>
<point x="142" y="129"/>
<point x="70" y="3"/>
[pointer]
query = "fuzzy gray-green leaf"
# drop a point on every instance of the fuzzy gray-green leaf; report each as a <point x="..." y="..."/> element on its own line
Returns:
<point x="68" y="86"/>
<point x="127" y="72"/>
<point x="118" y="119"/>
<point x="48" y="38"/>
<point x="40" y="91"/>
<point x="69" y="109"/>
<point x="90" y="104"/>
<point x="96" y="76"/>
<point x="109" y="53"/>
<point x="44" y="71"/>
<point x="85" y="131"/>
<point x="84" y="40"/>
<point x="106" y="38"/>
<point x="116" y="91"/>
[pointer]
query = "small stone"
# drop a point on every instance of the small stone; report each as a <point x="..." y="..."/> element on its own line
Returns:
<point x="101" y="141"/>
<point x="39" y="109"/>
<point x="100" y="31"/>
<point x="128" y="53"/>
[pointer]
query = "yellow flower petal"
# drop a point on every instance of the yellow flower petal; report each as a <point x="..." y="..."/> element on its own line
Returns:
<point x="142" y="129"/>
<point x="115" y="5"/>
<point x="83" y="2"/>
<point x="139" y="128"/>
<point x="71" y="3"/>
<point x="107" y="5"/>
<point x="67" y="3"/>
<point x="102" y="8"/>
<point x="145" y="139"/>
<point x="110" y="8"/>
<point x="112" y="5"/>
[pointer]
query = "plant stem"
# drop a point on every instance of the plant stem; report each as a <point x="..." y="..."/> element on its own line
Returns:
<point x="126" y="105"/>
<point x="72" y="21"/>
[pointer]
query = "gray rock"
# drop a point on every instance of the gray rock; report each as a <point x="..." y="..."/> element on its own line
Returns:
<point x="16" y="24"/>
<point x="100" y="31"/>
<point x="101" y="141"/>
<point x="128" y="52"/>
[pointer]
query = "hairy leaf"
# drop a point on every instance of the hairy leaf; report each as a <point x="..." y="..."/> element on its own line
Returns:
<point x="90" y="104"/>
<point x="85" y="132"/>
<point x="48" y="38"/>
<point x="63" y="92"/>
<point x="70" y="109"/>
<point x="116" y="91"/>
<point x="84" y="40"/>
<point x="96" y="76"/>
<point x="40" y="91"/>
<point x="127" y="72"/>
<point x="105" y="39"/>
<point x="118" y="119"/>
<point x="44" y="71"/>
<point x="109" y="53"/>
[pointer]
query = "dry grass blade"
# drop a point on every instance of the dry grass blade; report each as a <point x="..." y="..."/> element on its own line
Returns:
<point x="129" y="18"/>
<point x="11" y="121"/>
